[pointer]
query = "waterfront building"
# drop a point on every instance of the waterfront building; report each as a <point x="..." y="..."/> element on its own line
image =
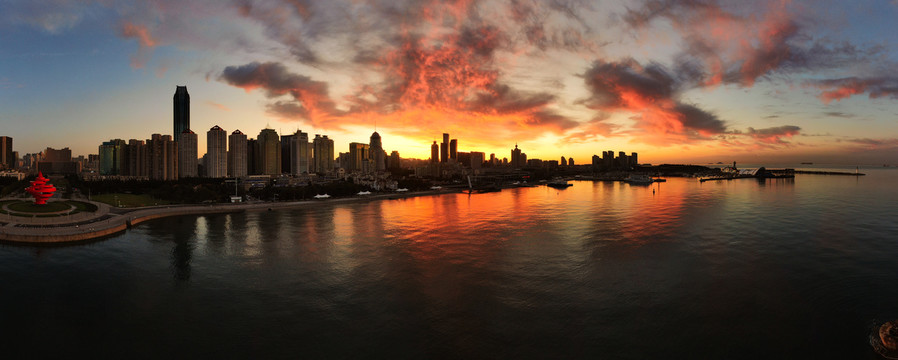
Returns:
<point x="477" y="159"/>
<point x="570" y="162"/>
<point x="634" y="160"/>
<point x="137" y="158"/>
<point x="622" y="160"/>
<point x="7" y="161"/>
<point x="518" y="159"/>
<point x="162" y="157"/>
<point x="324" y="153"/>
<point x="182" y="110"/>
<point x="608" y="159"/>
<point x="252" y="165"/>
<point x="377" y="154"/>
<point x="268" y="156"/>
<point x="444" y="149"/>
<point x="453" y="151"/>
<point x="187" y="154"/>
<point x="111" y="157"/>
<point x="563" y="161"/>
<point x="286" y="156"/>
<point x="216" y="152"/>
<point x="434" y="152"/>
<point x="395" y="162"/>
<point x="237" y="154"/>
<point x="359" y="157"/>
<point x="299" y="153"/>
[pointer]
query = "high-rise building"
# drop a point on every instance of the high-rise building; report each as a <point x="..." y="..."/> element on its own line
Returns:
<point x="59" y="161"/>
<point x="252" y="164"/>
<point x="563" y="161"/>
<point x="634" y="160"/>
<point x="394" y="162"/>
<point x="187" y="154"/>
<point x="300" y="153"/>
<point x="453" y="150"/>
<point x="434" y="152"/>
<point x="444" y="149"/>
<point x="111" y="157"/>
<point x="6" y="159"/>
<point x="377" y="153"/>
<point x="324" y="153"/>
<point x="286" y="157"/>
<point x="623" y="161"/>
<point x="182" y="110"/>
<point x="517" y="160"/>
<point x="162" y="158"/>
<point x="237" y="153"/>
<point x="137" y="158"/>
<point x="359" y="155"/>
<point x="268" y="155"/>
<point x="217" y="152"/>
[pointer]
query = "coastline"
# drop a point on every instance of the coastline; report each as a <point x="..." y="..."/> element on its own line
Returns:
<point x="63" y="230"/>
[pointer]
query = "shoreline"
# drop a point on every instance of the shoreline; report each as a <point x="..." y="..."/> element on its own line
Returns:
<point x="59" y="231"/>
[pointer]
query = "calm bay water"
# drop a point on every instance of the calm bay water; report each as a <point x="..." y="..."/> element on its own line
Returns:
<point x="801" y="268"/>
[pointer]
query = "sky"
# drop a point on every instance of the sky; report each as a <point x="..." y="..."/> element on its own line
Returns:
<point x="690" y="81"/>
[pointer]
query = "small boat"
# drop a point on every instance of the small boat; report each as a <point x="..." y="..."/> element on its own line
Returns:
<point x="364" y="193"/>
<point x="639" y="180"/>
<point x="559" y="184"/>
<point x="319" y="196"/>
<point x="435" y="187"/>
<point x="401" y="190"/>
<point x="659" y="180"/>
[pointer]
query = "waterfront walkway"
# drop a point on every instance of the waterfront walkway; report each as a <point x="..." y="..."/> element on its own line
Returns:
<point x="107" y="221"/>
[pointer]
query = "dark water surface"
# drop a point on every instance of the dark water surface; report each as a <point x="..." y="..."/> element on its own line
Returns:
<point x="799" y="268"/>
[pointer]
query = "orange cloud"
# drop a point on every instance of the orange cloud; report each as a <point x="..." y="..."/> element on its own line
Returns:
<point x="145" y="42"/>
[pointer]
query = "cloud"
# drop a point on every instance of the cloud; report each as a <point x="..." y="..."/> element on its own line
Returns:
<point x="652" y="93"/>
<point x="842" y="88"/>
<point x="217" y="105"/>
<point x="773" y="135"/>
<point x="145" y="42"/>
<point x="868" y="143"/>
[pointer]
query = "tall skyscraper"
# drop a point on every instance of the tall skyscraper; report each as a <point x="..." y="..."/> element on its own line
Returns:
<point x="252" y="164"/>
<point x="237" y="153"/>
<point x="6" y="159"/>
<point x="182" y="110"/>
<point x="453" y="150"/>
<point x="394" y="162"/>
<point x="444" y="149"/>
<point x="217" y="152"/>
<point x="377" y="153"/>
<point x="517" y="160"/>
<point x="324" y="153"/>
<point x="187" y="154"/>
<point x="111" y="157"/>
<point x="300" y="153"/>
<point x="137" y="158"/>
<point x="434" y="152"/>
<point x="269" y="152"/>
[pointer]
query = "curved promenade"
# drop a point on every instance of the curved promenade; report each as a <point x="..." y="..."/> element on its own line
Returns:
<point x="103" y="222"/>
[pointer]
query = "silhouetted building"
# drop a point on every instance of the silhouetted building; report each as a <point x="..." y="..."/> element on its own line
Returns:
<point x="268" y="156"/>
<point x="162" y="157"/>
<point x="58" y="162"/>
<point x="477" y="159"/>
<point x="518" y="159"/>
<point x="453" y="150"/>
<point x="237" y="154"/>
<point x="182" y="110"/>
<point x="444" y="149"/>
<point x="634" y="160"/>
<point x="377" y="155"/>
<point x="216" y="152"/>
<point x="359" y="157"/>
<point x="286" y="157"/>
<point x="570" y="162"/>
<point x="394" y="163"/>
<point x="137" y="159"/>
<point x="7" y="161"/>
<point x="563" y="161"/>
<point x="300" y="153"/>
<point x="434" y="152"/>
<point x="324" y="153"/>
<point x="252" y="165"/>
<point x="187" y="154"/>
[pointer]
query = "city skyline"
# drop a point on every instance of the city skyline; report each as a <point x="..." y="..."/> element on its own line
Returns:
<point x="674" y="81"/>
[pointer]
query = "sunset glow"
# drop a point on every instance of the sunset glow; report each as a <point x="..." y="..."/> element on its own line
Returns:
<point x="675" y="81"/>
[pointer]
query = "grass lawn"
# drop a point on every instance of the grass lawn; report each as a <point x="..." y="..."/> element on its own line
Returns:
<point x="30" y="207"/>
<point x="128" y="200"/>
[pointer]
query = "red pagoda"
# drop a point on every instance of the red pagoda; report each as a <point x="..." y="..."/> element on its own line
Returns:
<point x="40" y="189"/>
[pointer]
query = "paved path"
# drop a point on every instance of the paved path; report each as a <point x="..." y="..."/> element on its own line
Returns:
<point x="104" y="223"/>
